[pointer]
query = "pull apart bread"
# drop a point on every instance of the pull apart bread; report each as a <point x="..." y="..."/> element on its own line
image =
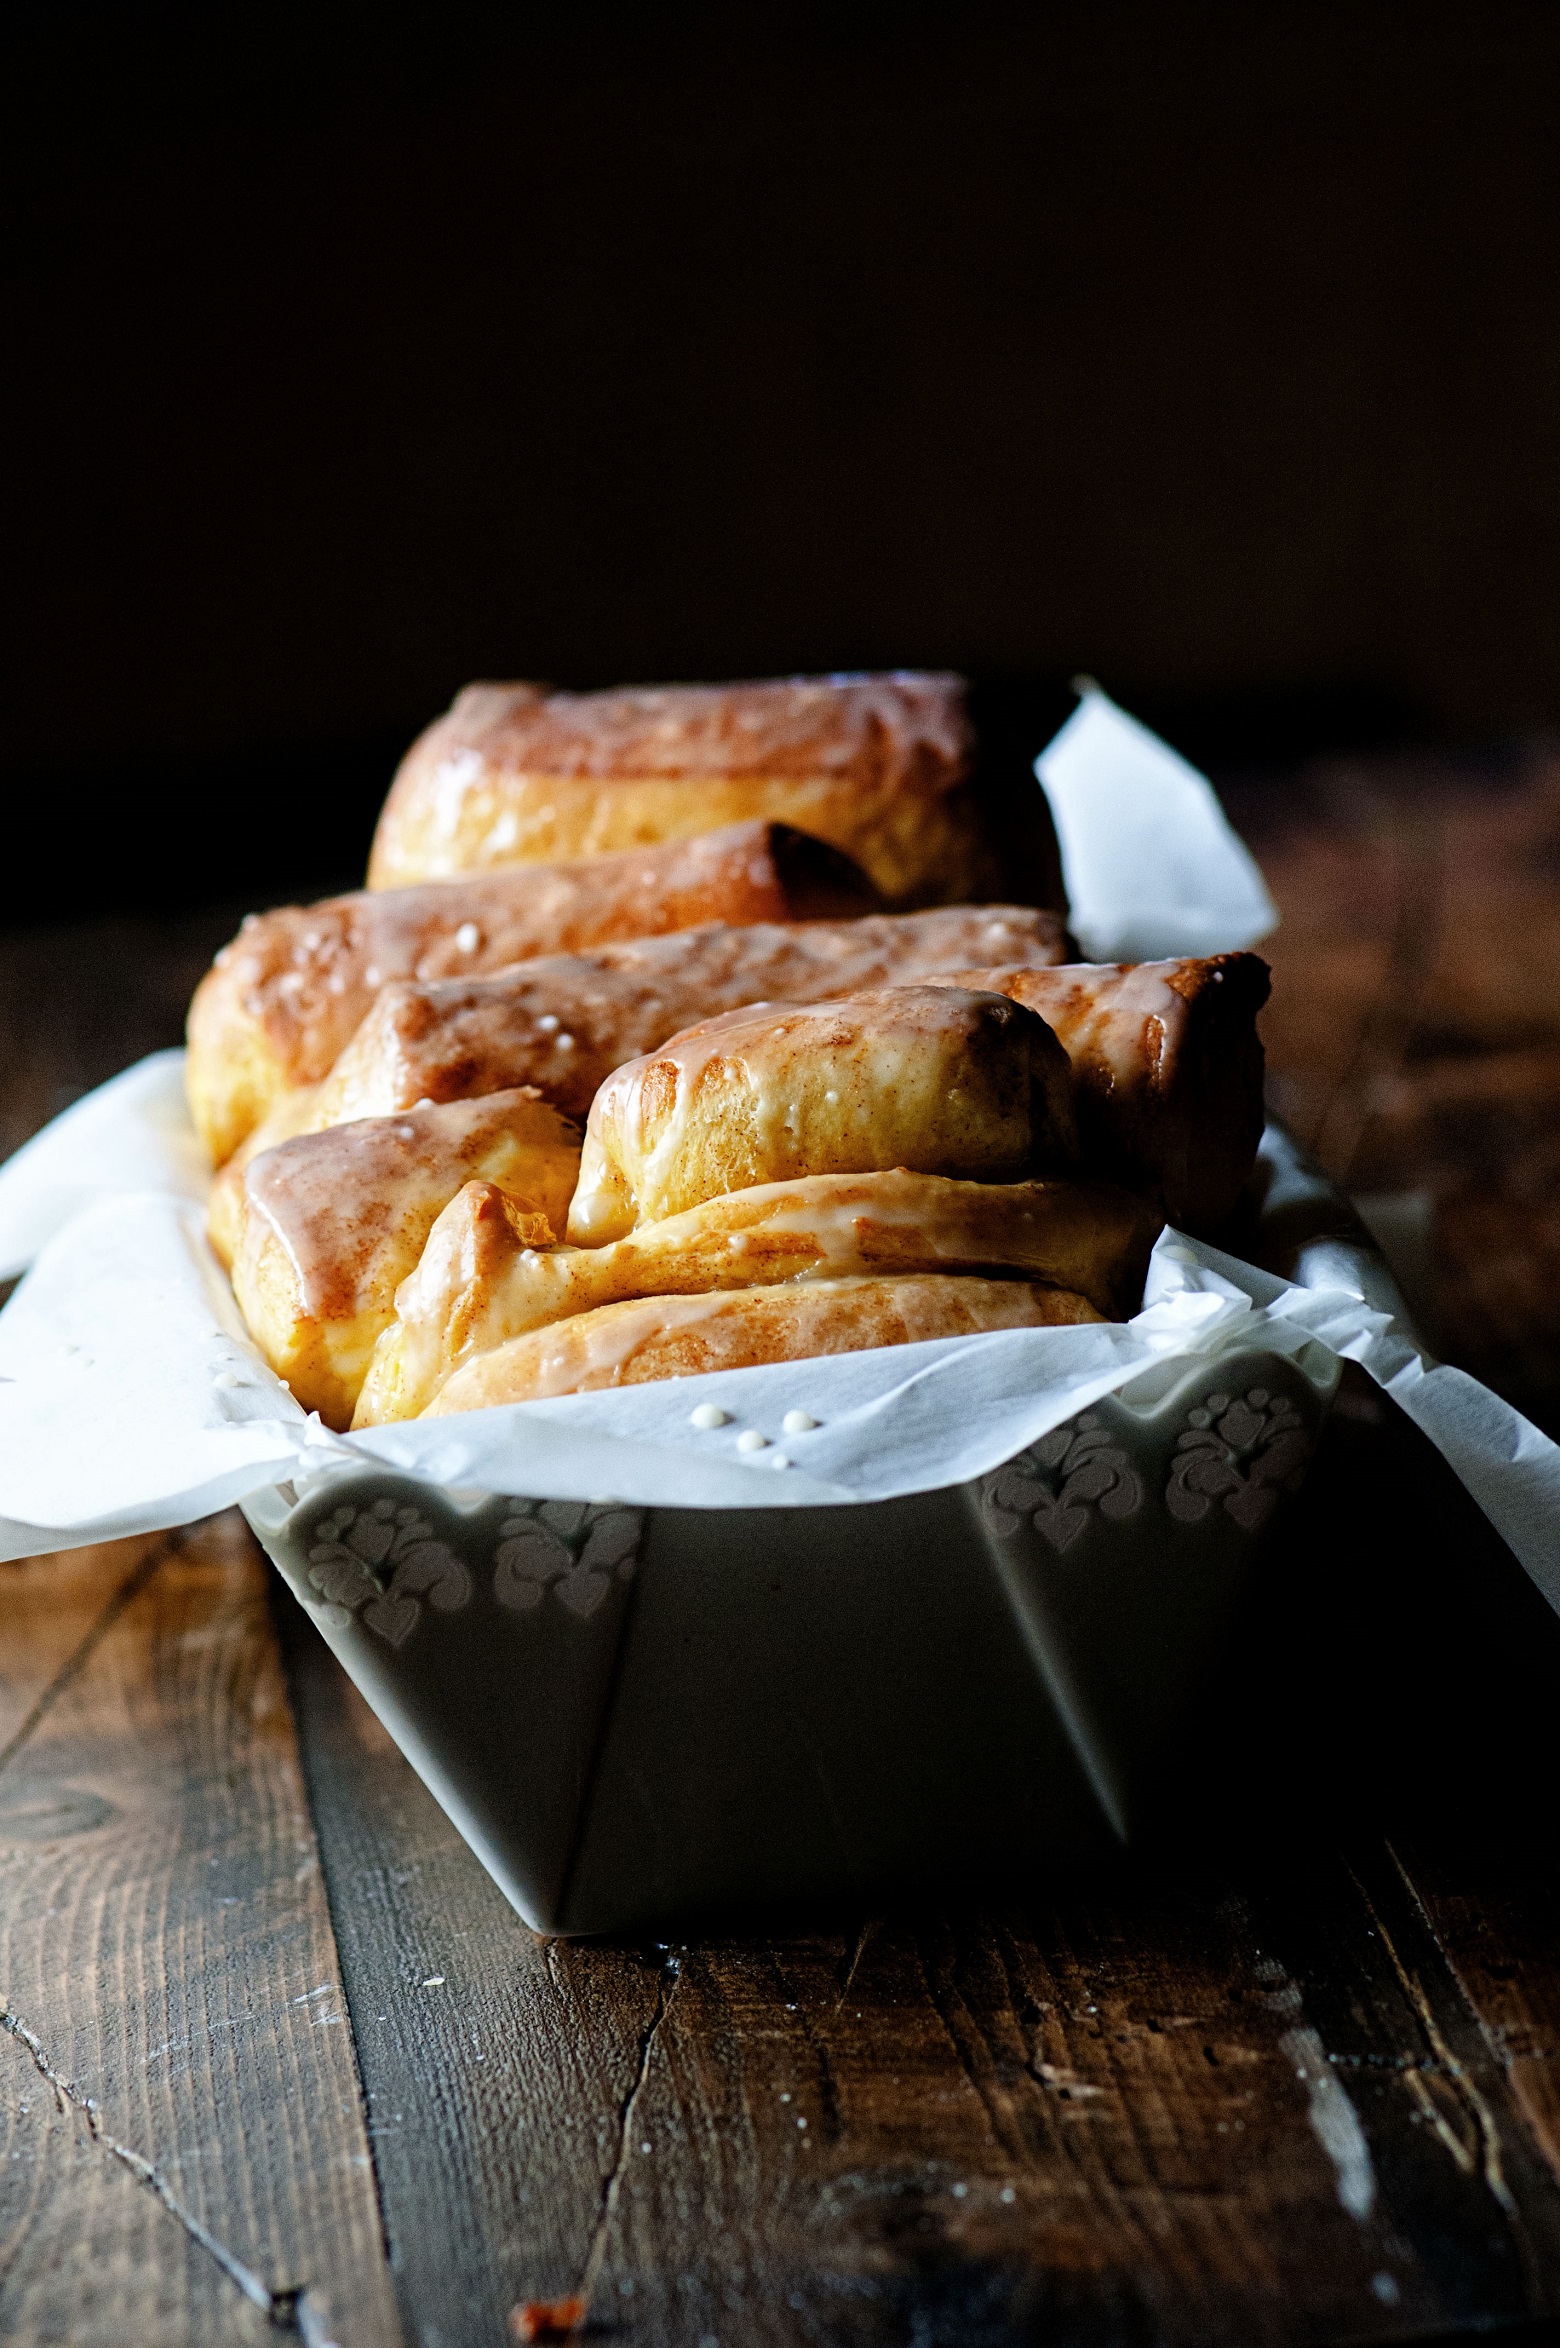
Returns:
<point x="283" y="1000"/>
<point x="815" y="1121"/>
<point x="708" y="1162"/>
<point x="771" y="1147"/>
<point x="876" y="765"/>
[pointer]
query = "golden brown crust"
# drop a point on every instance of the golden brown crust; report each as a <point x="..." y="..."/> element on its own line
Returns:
<point x="874" y="764"/>
<point x="1167" y="1066"/>
<point x="282" y="1001"/>
<point x="685" y="1336"/>
<point x="935" y="1079"/>
<point x="333" y="1222"/>
<point x="482" y="1280"/>
<point x="564" y="1022"/>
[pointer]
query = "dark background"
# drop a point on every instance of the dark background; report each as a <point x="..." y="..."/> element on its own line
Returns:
<point x="351" y="354"/>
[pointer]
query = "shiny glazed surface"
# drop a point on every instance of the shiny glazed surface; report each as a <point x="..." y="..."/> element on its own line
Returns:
<point x="281" y="1002"/>
<point x="482" y="1279"/>
<point x="564" y="1022"/>
<point x="334" y="1221"/>
<point x="684" y="1336"/>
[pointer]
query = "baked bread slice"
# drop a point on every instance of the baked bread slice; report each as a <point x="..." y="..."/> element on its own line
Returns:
<point x="331" y="1223"/>
<point x="877" y="765"/>
<point x="936" y="1079"/>
<point x="684" y="1336"/>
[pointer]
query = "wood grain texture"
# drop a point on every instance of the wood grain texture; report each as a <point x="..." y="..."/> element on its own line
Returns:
<point x="1495" y="1909"/>
<point x="182" y="2150"/>
<point x="494" y="2094"/>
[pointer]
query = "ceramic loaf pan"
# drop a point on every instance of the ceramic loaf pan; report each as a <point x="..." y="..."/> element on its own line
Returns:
<point x="634" y="1713"/>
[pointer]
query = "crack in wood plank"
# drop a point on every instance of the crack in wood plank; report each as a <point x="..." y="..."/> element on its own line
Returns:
<point x="668" y="1974"/>
<point x="289" y="2310"/>
<point x="870" y="1925"/>
<point x="1450" y="2067"/>
<point x="1441" y="2128"/>
<point x="81" y="1654"/>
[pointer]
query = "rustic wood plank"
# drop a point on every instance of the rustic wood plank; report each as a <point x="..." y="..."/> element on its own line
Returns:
<point x="87" y="1590"/>
<point x="494" y="2093"/>
<point x="182" y="2147"/>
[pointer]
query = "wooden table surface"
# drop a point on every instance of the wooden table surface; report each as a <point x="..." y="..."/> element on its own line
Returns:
<point x="280" y="2059"/>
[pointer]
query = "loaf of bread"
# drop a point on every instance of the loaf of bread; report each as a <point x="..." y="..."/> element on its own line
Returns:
<point x="513" y="774"/>
<point x="935" y="1079"/>
<point x="738" y="1329"/>
<point x="565" y="1021"/>
<point x="483" y="1279"/>
<point x="282" y="1001"/>
<point x="832" y="1100"/>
